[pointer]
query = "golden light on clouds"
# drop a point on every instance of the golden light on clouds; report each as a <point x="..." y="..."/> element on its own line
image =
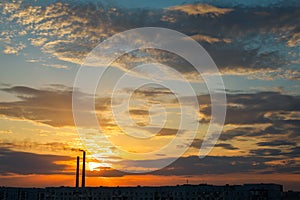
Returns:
<point x="201" y="9"/>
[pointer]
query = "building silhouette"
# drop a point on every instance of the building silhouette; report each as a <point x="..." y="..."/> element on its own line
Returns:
<point x="179" y="192"/>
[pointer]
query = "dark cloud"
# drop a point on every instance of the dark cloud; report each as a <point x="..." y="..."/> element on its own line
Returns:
<point x="167" y="131"/>
<point x="108" y="172"/>
<point x="139" y="112"/>
<point x="151" y="92"/>
<point x="192" y="165"/>
<point x="16" y="162"/>
<point x="196" y="143"/>
<point x="21" y="90"/>
<point x="294" y="152"/>
<point x="25" y="145"/>
<point x="13" y="162"/>
<point x="266" y="152"/>
<point x="226" y="146"/>
<point x="52" y="106"/>
<point x="245" y="131"/>
<point x="255" y="108"/>
<point x="277" y="129"/>
<point x="277" y="143"/>
<point x="291" y="153"/>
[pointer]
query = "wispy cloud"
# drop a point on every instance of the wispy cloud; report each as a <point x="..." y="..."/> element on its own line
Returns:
<point x="201" y="9"/>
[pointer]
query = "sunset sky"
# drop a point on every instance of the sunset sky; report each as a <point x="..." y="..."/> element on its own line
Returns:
<point x="254" y="44"/>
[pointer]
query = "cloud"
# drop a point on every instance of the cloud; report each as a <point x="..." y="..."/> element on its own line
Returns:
<point x="253" y="48"/>
<point x="226" y="146"/>
<point x="68" y="32"/>
<point x="255" y="108"/>
<point x="57" y="66"/>
<point x="6" y="132"/>
<point x="64" y="50"/>
<point x="193" y="166"/>
<point x="14" y="50"/>
<point x="277" y="143"/>
<point x="258" y="120"/>
<point x="200" y="9"/>
<point x="38" y="41"/>
<point x="17" y="162"/>
<point x="51" y="107"/>
<point x="266" y="152"/>
<point x="157" y="131"/>
<point x="109" y="172"/>
<point x="36" y="146"/>
<point x="294" y="40"/>
<point x="209" y="39"/>
<point x="266" y="74"/>
<point x="242" y="131"/>
<point x="10" y="50"/>
<point x="269" y="134"/>
<point x="10" y="7"/>
<point x="294" y="152"/>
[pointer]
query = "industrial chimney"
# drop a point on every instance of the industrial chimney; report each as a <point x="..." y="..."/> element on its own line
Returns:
<point x="83" y="170"/>
<point x="77" y="172"/>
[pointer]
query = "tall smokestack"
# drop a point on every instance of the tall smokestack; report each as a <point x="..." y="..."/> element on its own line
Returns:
<point x="77" y="172"/>
<point x="83" y="171"/>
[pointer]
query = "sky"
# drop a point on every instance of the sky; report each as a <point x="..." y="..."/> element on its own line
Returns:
<point x="44" y="44"/>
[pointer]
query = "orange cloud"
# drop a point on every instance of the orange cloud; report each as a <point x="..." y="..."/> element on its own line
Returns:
<point x="200" y="9"/>
<point x="209" y="39"/>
